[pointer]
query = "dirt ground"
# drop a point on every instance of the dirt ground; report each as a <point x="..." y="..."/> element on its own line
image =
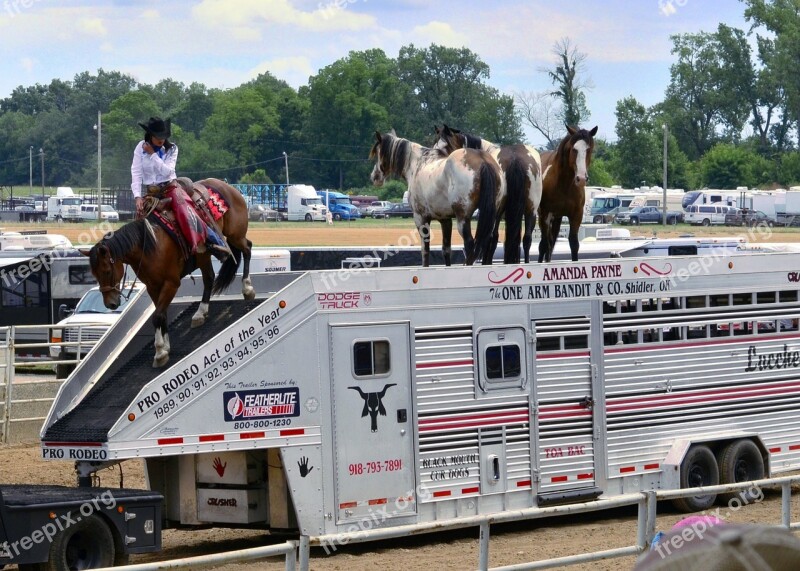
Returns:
<point x="510" y="544"/>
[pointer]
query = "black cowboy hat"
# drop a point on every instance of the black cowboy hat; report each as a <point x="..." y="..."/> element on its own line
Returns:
<point x="157" y="127"/>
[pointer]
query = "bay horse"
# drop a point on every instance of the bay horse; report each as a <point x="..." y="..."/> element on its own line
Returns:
<point x="563" y="191"/>
<point x="157" y="261"/>
<point x="442" y="187"/>
<point x="520" y="167"/>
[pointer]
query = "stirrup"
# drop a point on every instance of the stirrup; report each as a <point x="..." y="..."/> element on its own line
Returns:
<point x="218" y="252"/>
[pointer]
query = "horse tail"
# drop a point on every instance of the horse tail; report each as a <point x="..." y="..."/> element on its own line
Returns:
<point x="227" y="272"/>
<point x="516" y="176"/>
<point x="487" y="195"/>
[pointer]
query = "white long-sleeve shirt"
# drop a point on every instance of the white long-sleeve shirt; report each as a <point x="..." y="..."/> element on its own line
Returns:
<point x="152" y="169"/>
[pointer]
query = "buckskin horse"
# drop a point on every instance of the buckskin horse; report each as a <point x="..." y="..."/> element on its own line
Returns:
<point x="521" y="174"/>
<point x="442" y="187"/>
<point x="564" y="183"/>
<point x="159" y="263"/>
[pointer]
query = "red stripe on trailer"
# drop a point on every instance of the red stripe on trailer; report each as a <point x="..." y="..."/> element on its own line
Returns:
<point x="293" y="432"/>
<point x="562" y="355"/>
<point x="212" y="437"/>
<point x="465" y="362"/>
<point x="588" y="476"/>
<point x="627" y="469"/>
<point x="346" y="505"/>
<point x="248" y="435"/>
<point x="651" y="466"/>
<point x="74" y="444"/>
<point x="794" y="447"/>
<point x="774" y="450"/>
<point x="523" y="483"/>
<point x="165" y="441"/>
<point x="441" y="493"/>
<point x="673" y="346"/>
<point x="474" y="490"/>
<point x="377" y="502"/>
<point x="557" y="479"/>
<point x="472" y="420"/>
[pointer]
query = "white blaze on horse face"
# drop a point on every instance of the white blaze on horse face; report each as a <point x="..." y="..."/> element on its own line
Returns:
<point x="377" y="174"/>
<point x="580" y="162"/>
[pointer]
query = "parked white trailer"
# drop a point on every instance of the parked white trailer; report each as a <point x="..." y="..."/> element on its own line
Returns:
<point x="405" y="396"/>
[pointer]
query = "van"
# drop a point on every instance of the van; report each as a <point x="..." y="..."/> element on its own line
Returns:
<point x="707" y="214"/>
<point x="107" y="213"/>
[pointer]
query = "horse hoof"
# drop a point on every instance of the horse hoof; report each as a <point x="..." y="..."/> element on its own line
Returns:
<point x="249" y="294"/>
<point x="198" y="320"/>
<point x="159" y="362"/>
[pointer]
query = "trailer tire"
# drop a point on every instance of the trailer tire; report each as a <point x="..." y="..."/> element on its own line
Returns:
<point x="88" y="544"/>
<point x="598" y="219"/>
<point x="308" y="218"/>
<point x="740" y="461"/>
<point x="699" y="468"/>
<point x="63" y="371"/>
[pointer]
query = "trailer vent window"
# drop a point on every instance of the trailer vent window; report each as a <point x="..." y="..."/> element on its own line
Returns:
<point x="503" y="362"/>
<point x="371" y="358"/>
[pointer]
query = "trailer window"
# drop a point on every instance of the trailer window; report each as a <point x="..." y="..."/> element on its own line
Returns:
<point x="503" y="362"/>
<point x="81" y="275"/>
<point x="371" y="358"/>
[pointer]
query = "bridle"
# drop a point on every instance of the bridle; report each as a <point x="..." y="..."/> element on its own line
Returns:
<point x="119" y="287"/>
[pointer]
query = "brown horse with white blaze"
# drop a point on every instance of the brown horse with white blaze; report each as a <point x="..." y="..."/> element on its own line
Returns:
<point x="563" y="190"/>
<point x="157" y="261"/>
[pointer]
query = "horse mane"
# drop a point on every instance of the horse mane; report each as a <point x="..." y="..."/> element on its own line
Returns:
<point x="393" y="152"/>
<point x="472" y="141"/>
<point x="131" y="235"/>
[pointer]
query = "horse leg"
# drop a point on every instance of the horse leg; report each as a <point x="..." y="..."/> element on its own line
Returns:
<point x="245" y="246"/>
<point x="464" y="228"/>
<point x="555" y="229"/>
<point x="200" y="315"/>
<point x="165" y="296"/>
<point x="574" y="243"/>
<point x="424" y="229"/>
<point x="447" y="236"/>
<point x="530" y="222"/>
<point x="544" y="229"/>
<point x="488" y="255"/>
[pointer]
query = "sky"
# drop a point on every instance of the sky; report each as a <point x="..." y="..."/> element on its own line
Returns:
<point x="224" y="43"/>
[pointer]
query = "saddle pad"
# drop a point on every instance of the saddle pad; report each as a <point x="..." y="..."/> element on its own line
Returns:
<point x="216" y="204"/>
<point x="171" y="229"/>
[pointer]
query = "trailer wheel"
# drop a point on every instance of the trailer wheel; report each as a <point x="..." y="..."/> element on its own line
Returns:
<point x="699" y="468"/>
<point x="740" y="461"/>
<point x="88" y="544"/>
<point x="308" y="218"/>
<point x="598" y="219"/>
<point x="63" y="371"/>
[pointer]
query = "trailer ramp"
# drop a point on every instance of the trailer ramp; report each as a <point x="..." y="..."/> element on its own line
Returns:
<point x="113" y="393"/>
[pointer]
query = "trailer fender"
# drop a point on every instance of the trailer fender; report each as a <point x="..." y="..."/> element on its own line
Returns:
<point x="672" y="463"/>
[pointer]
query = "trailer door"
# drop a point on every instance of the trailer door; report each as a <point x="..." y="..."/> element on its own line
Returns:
<point x="372" y="416"/>
<point x="565" y="402"/>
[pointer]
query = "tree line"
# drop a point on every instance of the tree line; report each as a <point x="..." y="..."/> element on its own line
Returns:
<point x="731" y="114"/>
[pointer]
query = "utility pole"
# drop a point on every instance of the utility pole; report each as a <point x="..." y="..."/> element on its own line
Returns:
<point x="30" y="166"/>
<point x="286" y="164"/>
<point x="99" y="128"/>
<point x="664" y="206"/>
<point x="41" y="154"/>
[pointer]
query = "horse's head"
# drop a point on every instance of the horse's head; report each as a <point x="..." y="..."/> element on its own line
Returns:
<point x="576" y="150"/>
<point x="108" y="272"/>
<point x="449" y="140"/>
<point x="390" y="153"/>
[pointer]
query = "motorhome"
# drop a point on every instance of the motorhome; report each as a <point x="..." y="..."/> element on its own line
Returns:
<point x="64" y="206"/>
<point x="304" y="203"/>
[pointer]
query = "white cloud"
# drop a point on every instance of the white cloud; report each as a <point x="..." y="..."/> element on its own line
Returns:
<point x="439" y="33"/>
<point x="245" y="16"/>
<point x="293" y="70"/>
<point x="93" y="27"/>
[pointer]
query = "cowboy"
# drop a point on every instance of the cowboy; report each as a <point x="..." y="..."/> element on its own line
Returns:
<point x="153" y="174"/>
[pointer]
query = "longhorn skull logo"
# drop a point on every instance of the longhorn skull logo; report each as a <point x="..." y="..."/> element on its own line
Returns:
<point x="373" y="405"/>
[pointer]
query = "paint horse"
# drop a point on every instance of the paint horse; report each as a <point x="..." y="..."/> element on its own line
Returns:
<point x="563" y="190"/>
<point x="521" y="175"/>
<point x="159" y="263"/>
<point x="442" y="187"/>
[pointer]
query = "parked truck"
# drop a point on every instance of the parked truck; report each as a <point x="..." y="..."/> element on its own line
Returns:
<point x="339" y="205"/>
<point x="304" y="203"/>
<point x="336" y="403"/>
<point x="64" y="206"/>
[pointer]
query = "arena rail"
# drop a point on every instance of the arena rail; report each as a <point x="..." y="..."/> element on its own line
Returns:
<point x="646" y="529"/>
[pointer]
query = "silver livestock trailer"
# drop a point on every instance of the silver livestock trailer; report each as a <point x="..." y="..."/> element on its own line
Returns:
<point x="404" y="396"/>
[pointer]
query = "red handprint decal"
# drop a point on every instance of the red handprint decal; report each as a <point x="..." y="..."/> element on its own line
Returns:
<point x="219" y="466"/>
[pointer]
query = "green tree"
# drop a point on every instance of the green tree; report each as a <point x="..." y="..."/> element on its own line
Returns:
<point x="729" y="166"/>
<point x="638" y="153"/>
<point x="258" y="176"/>
<point x="709" y="87"/>
<point x="567" y="77"/>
